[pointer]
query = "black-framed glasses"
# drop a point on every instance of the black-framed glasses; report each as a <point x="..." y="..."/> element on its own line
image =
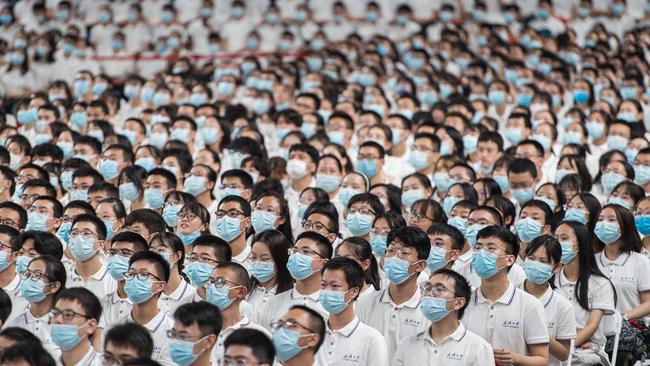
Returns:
<point x="232" y="213"/>
<point x="37" y="275"/>
<point x="120" y="252"/>
<point x="435" y="290"/>
<point x="141" y="276"/>
<point x="206" y="260"/>
<point x="315" y="226"/>
<point x="171" y="334"/>
<point x="219" y="282"/>
<point x="288" y="324"/>
<point x="304" y="251"/>
<point x="66" y="315"/>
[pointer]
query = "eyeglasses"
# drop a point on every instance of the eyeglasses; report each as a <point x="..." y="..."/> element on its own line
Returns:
<point x="186" y="216"/>
<point x="8" y="247"/>
<point x="435" y="290"/>
<point x="399" y="252"/>
<point x="304" y="251"/>
<point x="219" y="282"/>
<point x="315" y="226"/>
<point x="232" y="213"/>
<point x="29" y="197"/>
<point x="85" y="232"/>
<point x="120" y="252"/>
<point x="196" y="258"/>
<point x="141" y="276"/>
<point x="363" y="211"/>
<point x="66" y="315"/>
<point x="288" y="324"/>
<point x="110" y="360"/>
<point x="171" y="334"/>
<point x="490" y="248"/>
<point x="380" y="232"/>
<point x="8" y="222"/>
<point x="34" y="275"/>
<point x="240" y="361"/>
<point x="419" y="217"/>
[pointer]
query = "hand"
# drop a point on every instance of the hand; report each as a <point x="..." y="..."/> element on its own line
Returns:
<point x="503" y="356"/>
<point x="587" y="345"/>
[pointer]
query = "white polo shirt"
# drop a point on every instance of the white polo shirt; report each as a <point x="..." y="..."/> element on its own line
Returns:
<point x="630" y="274"/>
<point x="183" y="294"/>
<point x="114" y="309"/>
<point x="101" y="283"/>
<point x="599" y="296"/>
<point x="91" y="358"/>
<point x="243" y="258"/>
<point x="259" y="296"/>
<point x="462" y="347"/>
<point x="218" y="350"/>
<point x="394" y="322"/>
<point x="560" y="318"/>
<point x="40" y="327"/>
<point x="18" y="302"/>
<point x="355" y="344"/>
<point x="280" y="304"/>
<point x="514" y="321"/>
<point x="158" y="327"/>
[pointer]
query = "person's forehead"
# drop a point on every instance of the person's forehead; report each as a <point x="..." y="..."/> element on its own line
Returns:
<point x="229" y="205"/>
<point x="122" y="245"/>
<point x="334" y="275"/>
<point x="144" y="266"/>
<point x="305" y="242"/>
<point x="120" y="351"/>
<point x="438" y="278"/>
<point x="238" y="350"/>
<point x="203" y="250"/>
<point x="84" y="225"/>
<point x="42" y="203"/>
<point x="192" y="328"/>
<point x="68" y="304"/>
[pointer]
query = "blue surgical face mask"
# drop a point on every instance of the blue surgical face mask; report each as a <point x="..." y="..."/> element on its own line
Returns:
<point x="153" y="197"/>
<point x="437" y="258"/>
<point x="129" y="191"/>
<point x="503" y="182"/>
<point x="610" y="180"/>
<point x="367" y="167"/>
<point x="262" y="271"/>
<point x="227" y="228"/>
<point x="21" y="264"/>
<point x="329" y="183"/>
<point x="333" y="301"/>
<point x="137" y="290"/>
<point x="118" y="266"/>
<point x="434" y="308"/>
<point x="641" y="175"/>
<point x="263" y="220"/>
<point x="199" y="273"/>
<point x="32" y="290"/>
<point x="359" y="224"/>
<point x="66" y="336"/>
<point x="607" y="232"/>
<point x="484" y="264"/>
<point x="523" y="195"/>
<point x="619" y="201"/>
<point x="345" y="194"/>
<point x="218" y="296"/>
<point x="567" y="252"/>
<point x="397" y="270"/>
<point x="79" y="195"/>
<point x="170" y="213"/>
<point x="574" y="214"/>
<point x="528" y="229"/>
<point x="194" y="185"/>
<point x="285" y="342"/>
<point x="537" y="272"/>
<point x="300" y="266"/>
<point x="36" y="221"/>
<point x="109" y="228"/>
<point x="66" y="179"/>
<point x="378" y="244"/>
<point x="459" y="223"/>
<point x="472" y="231"/>
<point x="418" y="159"/>
<point x="411" y="196"/>
<point x="448" y="203"/>
<point x="188" y="238"/>
<point x="82" y="247"/>
<point x="442" y="181"/>
<point x="182" y="352"/>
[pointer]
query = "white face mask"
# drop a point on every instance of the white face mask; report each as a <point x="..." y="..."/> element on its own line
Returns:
<point x="14" y="161"/>
<point x="296" y="169"/>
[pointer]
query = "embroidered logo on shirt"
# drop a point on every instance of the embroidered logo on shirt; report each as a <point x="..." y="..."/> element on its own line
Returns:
<point x="412" y="322"/>
<point x="510" y="324"/>
<point x="628" y="279"/>
<point x="455" y="356"/>
<point x="351" y="358"/>
<point x="550" y="324"/>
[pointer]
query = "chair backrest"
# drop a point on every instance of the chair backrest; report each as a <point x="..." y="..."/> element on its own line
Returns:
<point x="611" y="324"/>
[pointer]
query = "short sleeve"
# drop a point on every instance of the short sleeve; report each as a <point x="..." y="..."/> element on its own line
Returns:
<point x="602" y="295"/>
<point x="566" y="321"/>
<point x="535" y="328"/>
<point x="643" y="273"/>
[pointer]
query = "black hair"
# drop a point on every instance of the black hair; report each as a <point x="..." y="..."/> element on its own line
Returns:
<point x="100" y="227"/>
<point x="172" y="241"/>
<point x="259" y="343"/>
<point x="461" y="287"/>
<point x="20" y="335"/>
<point x="169" y="176"/>
<point x="506" y="236"/>
<point x="324" y="245"/>
<point x="279" y="247"/>
<point x="55" y="271"/>
<point x="522" y="165"/>
<point x="393" y="195"/>
<point x="32" y="354"/>
<point x="151" y="220"/>
<point x="351" y="269"/>
<point x="369" y="198"/>
<point x="156" y="259"/>
<point x="327" y="209"/>
<point x="205" y="315"/>
<point x="285" y="227"/>
<point x="630" y="240"/>
<point x="457" y="238"/>
<point x="245" y="179"/>
<point x="89" y="302"/>
<point x="363" y="251"/>
<point x="316" y="323"/>
<point x="138" y="242"/>
<point x="220" y="247"/>
<point x="130" y="335"/>
<point x="550" y="243"/>
<point x="17" y="208"/>
<point x="411" y="237"/>
<point x="5" y="306"/>
<point x="244" y="205"/>
<point x="45" y="244"/>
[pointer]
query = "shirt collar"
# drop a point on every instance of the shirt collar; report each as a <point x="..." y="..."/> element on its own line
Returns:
<point x="413" y="302"/>
<point x="243" y="256"/>
<point x="457" y="335"/>
<point x="348" y="329"/>
<point x="243" y="323"/>
<point x="154" y="323"/>
<point x="506" y="298"/>
<point x="620" y="261"/>
<point x="13" y="285"/>
<point x="547" y="296"/>
<point x="115" y="298"/>
<point x="179" y="292"/>
<point x="295" y="295"/>
<point x="30" y="318"/>
<point x="99" y="275"/>
<point x="87" y="359"/>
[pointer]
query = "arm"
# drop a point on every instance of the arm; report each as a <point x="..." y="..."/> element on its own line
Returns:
<point x="559" y="348"/>
<point x="590" y="328"/>
<point x="538" y="356"/>
<point x="643" y="309"/>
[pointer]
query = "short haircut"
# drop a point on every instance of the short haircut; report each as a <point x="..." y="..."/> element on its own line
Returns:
<point x="240" y="272"/>
<point x="411" y="237"/>
<point x="461" y="287"/>
<point x="96" y="221"/>
<point x="156" y="259"/>
<point x="244" y="178"/>
<point x="41" y="183"/>
<point x="260" y="344"/>
<point x="130" y="335"/>
<point x="316" y="323"/>
<point x="324" y="245"/>
<point x="457" y="238"/>
<point x="221" y="249"/>
<point x="138" y="242"/>
<point x="522" y="165"/>
<point x="369" y="198"/>
<point x="205" y="315"/>
<point x="19" y="209"/>
<point x="5" y="306"/>
<point x="89" y="302"/>
<point x="57" y="207"/>
<point x="353" y="272"/>
<point x="151" y="220"/>
<point x="32" y="354"/>
<point x="244" y="205"/>
<point x="20" y="335"/>
<point x="503" y="234"/>
<point x="44" y="243"/>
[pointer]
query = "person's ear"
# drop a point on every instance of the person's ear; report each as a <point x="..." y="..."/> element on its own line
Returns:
<point x="313" y="340"/>
<point x="459" y="303"/>
<point x="556" y="268"/>
<point x="453" y="255"/>
<point x="331" y="237"/>
<point x="280" y="220"/>
<point x="246" y="222"/>
<point x="91" y="326"/>
<point x="365" y="264"/>
<point x="54" y="287"/>
<point x="546" y="229"/>
<point x="56" y="223"/>
<point x="161" y="285"/>
<point x="420" y="265"/>
<point x="354" y="293"/>
<point x="319" y="263"/>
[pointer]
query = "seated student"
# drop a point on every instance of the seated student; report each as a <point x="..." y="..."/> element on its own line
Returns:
<point x="41" y="282"/>
<point x="516" y="324"/>
<point x="145" y="222"/>
<point x="541" y="262"/>
<point x="247" y="346"/>
<point x="70" y="211"/>
<point x="89" y="270"/>
<point x="393" y="311"/>
<point x="445" y="297"/>
<point x="35" y="188"/>
<point x="298" y="336"/>
<point x="235" y="182"/>
<point x="73" y="320"/>
<point x="178" y="290"/>
<point x="193" y="221"/>
<point x="10" y="336"/>
<point x="82" y="180"/>
<point x="268" y="268"/>
<point x="101" y="191"/>
<point x="479" y="218"/>
<point x="346" y="337"/>
<point x="9" y="278"/>
<point x="233" y="218"/>
<point x="359" y="250"/>
<point x="207" y="252"/>
<point x="126" y="342"/>
<point x="458" y="218"/>
<point x="227" y="280"/>
<point x="361" y="211"/>
<point x="44" y="214"/>
<point x="159" y="182"/>
<point x="116" y="304"/>
<point x="309" y="254"/>
<point x="26" y="354"/>
<point x="13" y="214"/>
<point x="194" y="333"/>
<point x="446" y="244"/>
<point x="146" y="278"/>
<point x="322" y="217"/>
<point x="535" y="219"/>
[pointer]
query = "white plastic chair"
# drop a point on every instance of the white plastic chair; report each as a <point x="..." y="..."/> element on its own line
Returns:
<point x="612" y="325"/>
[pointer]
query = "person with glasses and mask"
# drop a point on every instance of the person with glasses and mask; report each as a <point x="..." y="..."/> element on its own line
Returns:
<point x="298" y="335"/>
<point x="393" y="311"/>
<point x="361" y="212"/>
<point x="145" y="222"/>
<point x="88" y="269"/>
<point x="196" y="326"/>
<point x="193" y="220"/>
<point x="447" y="341"/>
<point x="41" y="283"/>
<point x="125" y="343"/>
<point x="9" y="279"/>
<point x="226" y="289"/>
<point x="346" y="337"/>
<point x="207" y="252"/>
<point x="306" y="260"/>
<point x="323" y="218"/>
<point x="73" y="321"/>
<point x="116" y="304"/>
<point x="146" y="279"/>
<point x="233" y="218"/>
<point x="510" y="319"/>
<point x="248" y="347"/>
<point x="178" y="290"/>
